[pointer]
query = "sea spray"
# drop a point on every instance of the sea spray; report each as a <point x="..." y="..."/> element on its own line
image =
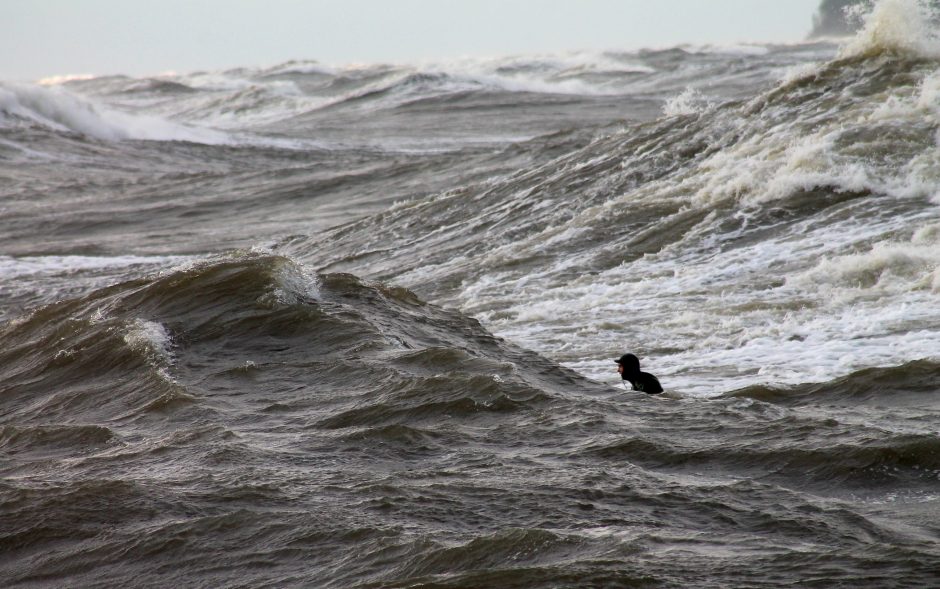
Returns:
<point x="61" y="110"/>
<point x="904" y="26"/>
<point x="690" y="102"/>
<point x="358" y="404"/>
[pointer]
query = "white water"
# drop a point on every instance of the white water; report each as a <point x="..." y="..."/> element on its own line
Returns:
<point x="905" y="26"/>
<point x="61" y="110"/>
<point x="705" y="314"/>
<point x="827" y="297"/>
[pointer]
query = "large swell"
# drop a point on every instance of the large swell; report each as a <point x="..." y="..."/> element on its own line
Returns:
<point x="244" y="422"/>
<point x="319" y="326"/>
<point x="789" y="237"/>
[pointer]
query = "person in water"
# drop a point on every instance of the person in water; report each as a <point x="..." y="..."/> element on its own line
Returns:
<point x="629" y="368"/>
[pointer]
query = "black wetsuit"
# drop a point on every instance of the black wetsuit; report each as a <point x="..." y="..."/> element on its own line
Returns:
<point x="641" y="381"/>
<point x="644" y="382"/>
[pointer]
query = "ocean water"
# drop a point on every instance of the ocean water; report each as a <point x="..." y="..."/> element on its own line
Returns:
<point x="354" y="327"/>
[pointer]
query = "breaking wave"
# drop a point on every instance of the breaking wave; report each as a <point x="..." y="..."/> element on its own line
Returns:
<point x="60" y="110"/>
<point x="367" y="338"/>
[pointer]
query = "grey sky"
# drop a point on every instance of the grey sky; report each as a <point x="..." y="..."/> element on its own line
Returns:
<point x="40" y="38"/>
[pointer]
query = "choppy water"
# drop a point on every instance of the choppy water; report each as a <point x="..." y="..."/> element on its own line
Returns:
<point x="353" y="327"/>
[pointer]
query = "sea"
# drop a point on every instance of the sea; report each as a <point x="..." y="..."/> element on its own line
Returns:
<point x="355" y="326"/>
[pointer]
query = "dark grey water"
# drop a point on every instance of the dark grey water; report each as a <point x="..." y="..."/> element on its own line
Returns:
<point x="309" y="327"/>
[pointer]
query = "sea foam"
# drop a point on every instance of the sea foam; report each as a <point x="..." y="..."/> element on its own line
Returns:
<point x="690" y="102"/>
<point x="904" y="26"/>
<point x="150" y="339"/>
<point x="58" y="109"/>
<point x="888" y="267"/>
<point x="293" y="284"/>
<point x="17" y="267"/>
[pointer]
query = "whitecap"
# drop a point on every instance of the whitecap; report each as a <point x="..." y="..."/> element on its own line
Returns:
<point x="60" y="110"/>
<point x="906" y="26"/>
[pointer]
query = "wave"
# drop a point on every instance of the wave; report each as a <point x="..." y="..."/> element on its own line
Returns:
<point x="290" y="95"/>
<point x="60" y="110"/>
<point x="889" y="266"/>
<point x="908" y="27"/>
<point x="327" y="412"/>
<point x="162" y="87"/>
<point x="827" y="179"/>
<point x="152" y="344"/>
<point x="34" y="281"/>
<point x="486" y="561"/>
<point x="910" y="384"/>
<point x="417" y="400"/>
<point x="246" y="409"/>
<point x="47" y="266"/>
<point x="273" y="100"/>
<point x="827" y="451"/>
<point x="53" y="438"/>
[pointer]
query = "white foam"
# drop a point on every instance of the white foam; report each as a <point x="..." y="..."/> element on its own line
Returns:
<point x="798" y="72"/>
<point x="844" y="290"/>
<point x="64" y="79"/>
<point x="150" y="339"/>
<point x="295" y="284"/>
<point x="559" y="73"/>
<point x="732" y="332"/>
<point x="61" y="110"/>
<point x="690" y="102"/>
<point x="745" y="49"/>
<point x="927" y="235"/>
<point x="238" y="103"/>
<point x="905" y="26"/>
<point x="888" y="267"/>
<point x="301" y="68"/>
<point x="928" y="97"/>
<point x="775" y="161"/>
<point x="232" y="100"/>
<point x="18" y="267"/>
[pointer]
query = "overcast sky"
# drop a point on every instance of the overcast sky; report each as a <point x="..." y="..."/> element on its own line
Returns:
<point x="40" y="38"/>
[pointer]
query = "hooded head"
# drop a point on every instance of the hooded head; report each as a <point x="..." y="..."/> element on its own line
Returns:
<point x="630" y="363"/>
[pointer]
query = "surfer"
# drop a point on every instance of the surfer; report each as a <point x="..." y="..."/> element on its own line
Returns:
<point x="629" y="368"/>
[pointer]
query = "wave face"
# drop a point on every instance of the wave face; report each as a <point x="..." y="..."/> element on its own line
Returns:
<point x="242" y="421"/>
<point x="779" y="227"/>
<point x="311" y="326"/>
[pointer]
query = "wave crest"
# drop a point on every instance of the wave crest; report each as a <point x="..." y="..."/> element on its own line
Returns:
<point x="60" y="110"/>
<point x="908" y="27"/>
